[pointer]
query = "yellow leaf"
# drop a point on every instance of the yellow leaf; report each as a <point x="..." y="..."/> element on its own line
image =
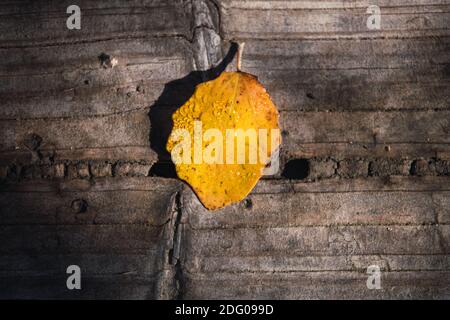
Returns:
<point x="213" y="138"/>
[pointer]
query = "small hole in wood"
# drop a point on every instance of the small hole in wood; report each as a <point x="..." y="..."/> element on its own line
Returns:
<point x="296" y="169"/>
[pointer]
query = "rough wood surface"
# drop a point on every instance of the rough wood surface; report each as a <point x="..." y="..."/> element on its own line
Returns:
<point x="365" y="159"/>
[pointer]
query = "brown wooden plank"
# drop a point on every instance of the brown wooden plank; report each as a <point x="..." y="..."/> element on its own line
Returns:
<point x="109" y="207"/>
<point x="73" y="73"/>
<point x="80" y="239"/>
<point x="148" y="264"/>
<point x="316" y="240"/>
<point x="96" y="154"/>
<point x="359" y="95"/>
<point x="316" y="285"/>
<point x="344" y="55"/>
<point x="119" y="286"/>
<point x="372" y="184"/>
<point x="129" y="129"/>
<point x="263" y="264"/>
<point x="289" y="209"/>
<point x="300" y="19"/>
<point x="135" y="82"/>
<point x="120" y="200"/>
<point x="32" y="23"/>
<point x="95" y="185"/>
<point x="342" y="150"/>
<point x="300" y="128"/>
<point x="365" y="127"/>
<point x="380" y="74"/>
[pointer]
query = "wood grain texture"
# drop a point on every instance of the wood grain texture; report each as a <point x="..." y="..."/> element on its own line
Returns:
<point x="122" y="235"/>
<point x="335" y="19"/>
<point x="375" y="74"/>
<point x="312" y="236"/>
<point x="69" y="81"/>
<point x="83" y="182"/>
<point x="23" y="23"/>
<point x="317" y="285"/>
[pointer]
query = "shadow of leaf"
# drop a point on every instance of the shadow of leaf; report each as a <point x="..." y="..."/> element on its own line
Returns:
<point x="174" y="95"/>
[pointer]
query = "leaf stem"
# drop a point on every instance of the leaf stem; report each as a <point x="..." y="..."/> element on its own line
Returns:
<point x="239" y="55"/>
